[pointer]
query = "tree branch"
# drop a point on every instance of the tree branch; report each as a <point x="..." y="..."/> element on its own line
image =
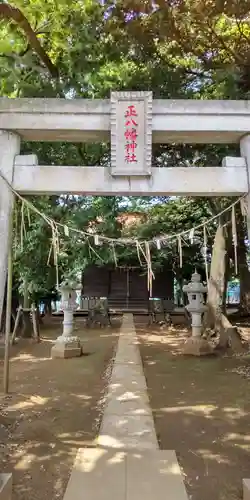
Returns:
<point x="224" y="45"/>
<point x="240" y="29"/>
<point x="13" y="13"/>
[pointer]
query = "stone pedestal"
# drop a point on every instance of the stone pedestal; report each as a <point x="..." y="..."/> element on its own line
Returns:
<point x="197" y="346"/>
<point x="67" y="345"/>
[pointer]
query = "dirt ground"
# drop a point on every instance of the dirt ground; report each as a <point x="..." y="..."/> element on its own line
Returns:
<point x="55" y="407"/>
<point x="201" y="410"/>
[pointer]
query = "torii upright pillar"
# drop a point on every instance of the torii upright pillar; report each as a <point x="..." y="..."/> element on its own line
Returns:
<point x="9" y="148"/>
<point x="245" y="152"/>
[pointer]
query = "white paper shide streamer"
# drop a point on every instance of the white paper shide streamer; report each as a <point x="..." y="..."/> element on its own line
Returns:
<point x="191" y="236"/>
<point x="158" y="244"/>
<point x="180" y="250"/>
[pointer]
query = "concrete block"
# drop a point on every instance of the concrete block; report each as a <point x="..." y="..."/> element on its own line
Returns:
<point x="5" y="486"/>
<point x="232" y="162"/>
<point x="121" y="373"/>
<point x="123" y="392"/>
<point x="129" y="356"/>
<point x="130" y="384"/>
<point x="128" y="432"/>
<point x="154" y="474"/>
<point x="97" y="474"/>
<point x="21" y="160"/>
<point x="246" y="489"/>
<point x="102" y="474"/>
<point x="128" y="406"/>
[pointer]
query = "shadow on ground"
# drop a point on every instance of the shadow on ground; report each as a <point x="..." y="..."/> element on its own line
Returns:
<point x="54" y="407"/>
<point x="201" y="410"/>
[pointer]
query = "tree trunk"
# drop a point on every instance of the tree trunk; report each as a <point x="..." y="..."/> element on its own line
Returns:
<point x="244" y="273"/>
<point x="229" y="336"/>
<point x="48" y="307"/>
<point x="27" y="327"/>
<point x="219" y="275"/>
<point x="216" y="284"/>
<point x="26" y="298"/>
<point x="226" y="280"/>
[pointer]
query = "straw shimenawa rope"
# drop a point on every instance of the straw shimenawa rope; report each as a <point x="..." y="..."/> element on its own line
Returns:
<point x="126" y="241"/>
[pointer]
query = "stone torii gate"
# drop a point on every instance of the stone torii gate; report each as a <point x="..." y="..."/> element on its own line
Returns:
<point x="131" y="121"/>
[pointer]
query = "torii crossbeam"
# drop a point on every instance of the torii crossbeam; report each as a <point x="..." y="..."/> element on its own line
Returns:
<point x="161" y="121"/>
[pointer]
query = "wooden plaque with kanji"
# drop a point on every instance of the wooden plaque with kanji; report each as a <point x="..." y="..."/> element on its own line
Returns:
<point x="131" y="133"/>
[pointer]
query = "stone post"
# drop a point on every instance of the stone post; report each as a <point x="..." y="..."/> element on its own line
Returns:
<point x="9" y="148"/>
<point x="196" y="345"/>
<point x="67" y="345"/>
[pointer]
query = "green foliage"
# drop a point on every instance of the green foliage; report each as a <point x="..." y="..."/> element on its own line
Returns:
<point x="187" y="49"/>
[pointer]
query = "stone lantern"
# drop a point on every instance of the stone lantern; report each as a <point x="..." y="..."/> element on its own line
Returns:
<point x="67" y="345"/>
<point x="196" y="345"/>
